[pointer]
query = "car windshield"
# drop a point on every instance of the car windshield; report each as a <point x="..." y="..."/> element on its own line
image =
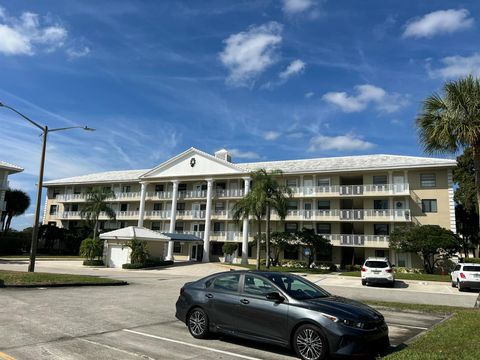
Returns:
<point x="471" y="268"/>
<point x="376" y="264"/>
<point x="296" y="287"/>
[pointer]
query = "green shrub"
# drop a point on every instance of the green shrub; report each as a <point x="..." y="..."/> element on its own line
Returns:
<point x="294" y="264"/>
<point x="148" y="263"/>
<point x="14" y="242"/>
<point x="472" y="260"/>
<point x="139" y="253"/>
<point x="91" y="249"/>
<point x="229" y="248"/>
<point x="405" y="270"/>
<point x="333" y="268"/>
<point x="353" y="267"/>
<point x="93" y="263"/>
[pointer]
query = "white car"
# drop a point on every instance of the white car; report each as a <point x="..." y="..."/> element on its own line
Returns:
<point x="466" y="276"/>
<point x="378" y="271"/>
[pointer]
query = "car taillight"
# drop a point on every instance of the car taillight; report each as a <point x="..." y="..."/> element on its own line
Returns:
<point x="389" y="270"/>
<point x="462" y="275"/>
<point x="364" y="268"/>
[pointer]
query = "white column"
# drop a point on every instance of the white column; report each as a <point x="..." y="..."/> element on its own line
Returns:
<point x="173" y="215"/>
<point x="141" y="212"/>
<point x="189" y="256"/>
<point x="208" y="211"/>
<point x="245" y="227"/>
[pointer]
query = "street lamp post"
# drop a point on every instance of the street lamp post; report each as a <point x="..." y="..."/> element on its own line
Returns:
<point x="45" y="130"/>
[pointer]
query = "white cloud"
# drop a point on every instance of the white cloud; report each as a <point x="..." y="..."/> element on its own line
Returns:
<point x="248" y="53"/>
<point x="347" y="142"/>
<point x="309" y="94"/>
<point x="365" y="95"/>
<point x="295" y="67"/>
<point x="271" y="135"/>
<point x="74" y="53"/>
<point x="26" y="34"/>
<point x="438" y="22"/>
<point x="456" y="66"/>
<point x="293" y="7"/>
<point x="236" y="153"/>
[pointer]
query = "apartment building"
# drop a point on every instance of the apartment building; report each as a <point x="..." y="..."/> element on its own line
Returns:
<point x="355" y="201"/>
<point x="6" y="169"/>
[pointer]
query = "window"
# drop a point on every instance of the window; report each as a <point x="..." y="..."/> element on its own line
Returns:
<point x="74" y="207"/>
<point x="323" y="182"/>
<point x="380" y="253"/>
<point x="291" y="182"/>
<point x="217" y="226"/>
<point x="292" y="205"/>
<point x="182" y="187"/>
<point x="296" y="287"/>
<point x="291" y="227"/>
<point x="124" y="207"/>
<point x="177" y="247"/>
<point x="180" y="206"/>
<point x="428" y="180"/>
<point x="257" y="286"/>
<point x="323" y="205"/>
<point x="56" y="191"/>
<point x="219" y="206"/>
<point x="203" y="207"/>
<point x="77" y="190"/>
<point x="126" y="188"/>
<point x="377" y="264"/>
<point x="156" y="226"/>
<point x="324" y="228"/>
<point x="159" y="188"/>
<point x="429" y="206"/>
<point x="380" y="229"/>
<point x="226" y="283"/>
<point x="53" y="209"/>
<point x="157" y="206"/>
<point x="380" y="204"/>
<point x="179" y="226"/>
<point x="380" y="180"/>
<point x="220" y="186"/>
<point x="290" y="252"/>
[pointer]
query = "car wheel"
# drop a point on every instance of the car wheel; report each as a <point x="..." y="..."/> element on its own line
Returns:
<point x="453" y="284"/>
<point x="459" y="286"/>
<point x="364" y="282"/>
<point x="197" y="323"/>
<point x="309" y="343"/>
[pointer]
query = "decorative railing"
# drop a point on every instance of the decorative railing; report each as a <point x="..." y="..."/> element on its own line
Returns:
<point x="352" y="190"/>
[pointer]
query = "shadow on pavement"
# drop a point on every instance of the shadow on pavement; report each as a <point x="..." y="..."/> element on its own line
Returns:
<point x="255" y="345"/>
<point x="399" y="284"/>
<point x="16" y="262"/>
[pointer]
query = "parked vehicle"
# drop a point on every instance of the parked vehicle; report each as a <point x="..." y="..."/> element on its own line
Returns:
<point x="378" y="271"/>
<point x="466" y="276"/>
<point x="281" y="309"/>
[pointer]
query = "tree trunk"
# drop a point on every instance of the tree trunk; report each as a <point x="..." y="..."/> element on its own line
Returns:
<point x="476" y="165"/>
<point x="259" y="241"/>
<point x="8" y="221"/>
<point x="267" y="238"/>
<point x="95" y="229"/>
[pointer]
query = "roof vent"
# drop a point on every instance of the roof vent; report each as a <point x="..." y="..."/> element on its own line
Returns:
<point x="224" y="155"/>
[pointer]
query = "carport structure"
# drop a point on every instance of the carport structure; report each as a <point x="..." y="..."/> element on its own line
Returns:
<point x="116" y="253"/>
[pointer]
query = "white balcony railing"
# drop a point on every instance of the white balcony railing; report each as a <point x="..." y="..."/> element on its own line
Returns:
<point x="348" y="215"/>
<point x="158" y="214"/>
<point x="358" y="240"/>
<point x="351" y="190"/>
<point x="223" y="193"/>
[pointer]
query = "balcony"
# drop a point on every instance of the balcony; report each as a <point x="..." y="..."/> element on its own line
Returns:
<point x="347" y="215"/>
<point x="157" y="214"/>
<point x="351" y="190"/>
<point x="229" y="193"/>
<point x="192" y="194"/>
<point x="120" y="215"/>
<point x="159" y="195"/>
<point x="191" y="214"/>
<point x="358" y="240"/>
<point x="119" y="196"/>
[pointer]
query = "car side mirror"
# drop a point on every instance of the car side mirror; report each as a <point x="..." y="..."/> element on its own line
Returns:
<point x="275" y="296"/>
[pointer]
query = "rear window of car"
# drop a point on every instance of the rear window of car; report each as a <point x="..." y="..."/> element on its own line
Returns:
<point x="471" y="268"/>
<point x="226" y="283"/>
<point x="376" y="264"/>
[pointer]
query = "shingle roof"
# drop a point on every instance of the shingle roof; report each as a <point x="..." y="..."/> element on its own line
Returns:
<point x="349" y="163"/>
<point x="332" y="164"/>
<point x="11" y="167"/>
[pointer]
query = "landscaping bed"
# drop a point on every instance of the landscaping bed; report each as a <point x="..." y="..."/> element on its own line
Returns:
<point x="287" y="269"/>
<point x="148" y="264"/>
<point x="38" y="279"/>
<point x="408" y="276"/>
<point x="454" y="338"/>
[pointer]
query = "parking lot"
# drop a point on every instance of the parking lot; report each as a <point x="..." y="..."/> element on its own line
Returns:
<point x="135" y="321"/>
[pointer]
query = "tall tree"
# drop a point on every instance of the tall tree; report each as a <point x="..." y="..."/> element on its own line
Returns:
<point x="18" y="202"/>
<point x="97" y="204"/>
<point x="276" y="195"/>
<point x="450" y="121"/>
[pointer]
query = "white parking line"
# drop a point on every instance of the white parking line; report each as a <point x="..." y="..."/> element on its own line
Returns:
<point x="408" y="326"/>
<point x="192" y="345"/>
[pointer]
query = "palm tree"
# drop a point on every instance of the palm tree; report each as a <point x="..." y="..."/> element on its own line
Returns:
<point x="17" y="203"/>
<point x="95" y="205"/>
<point x="276" y="196"/>
<point x="451" y="121"/>
<point x="253" y="204"/>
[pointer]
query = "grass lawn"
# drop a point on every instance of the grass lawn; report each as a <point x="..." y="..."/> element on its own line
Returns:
<point x="455" y="338"/>
<point x="404" y="276"/>
<point x="286" y="269"/>
<point x="20" y="278"/>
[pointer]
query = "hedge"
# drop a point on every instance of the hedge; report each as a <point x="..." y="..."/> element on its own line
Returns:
<point x="472" y="260"/>
<point x="147" y="264"/>
<point x="93" y="262"/>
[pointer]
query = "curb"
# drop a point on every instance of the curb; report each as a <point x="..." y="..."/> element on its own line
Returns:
<point x="29" y="286"/>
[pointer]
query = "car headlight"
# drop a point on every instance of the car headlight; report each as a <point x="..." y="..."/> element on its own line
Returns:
<point x="355" y="324"/>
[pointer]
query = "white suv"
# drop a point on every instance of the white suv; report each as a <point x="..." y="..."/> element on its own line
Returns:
<point x="378" y="271"/>
<point x="466" y="276"/>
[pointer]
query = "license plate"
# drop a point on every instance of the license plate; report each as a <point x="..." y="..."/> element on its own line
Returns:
<point x="376" y="272"/>
<point x="476" y="275"/>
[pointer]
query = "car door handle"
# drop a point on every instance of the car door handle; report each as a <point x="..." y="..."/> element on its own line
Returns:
<point x="209" y="296"/>
<point x="245" y="301"/>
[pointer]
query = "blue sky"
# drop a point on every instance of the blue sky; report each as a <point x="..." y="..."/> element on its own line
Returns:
<point x="265" y="79"/>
